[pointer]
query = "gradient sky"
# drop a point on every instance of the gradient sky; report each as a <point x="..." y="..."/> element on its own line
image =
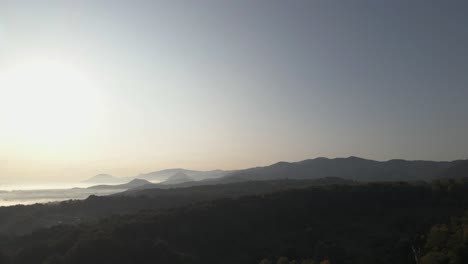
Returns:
<point x="228" y="84"/>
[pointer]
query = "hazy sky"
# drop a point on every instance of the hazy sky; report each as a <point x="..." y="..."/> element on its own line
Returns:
<point x="125" y="87"/>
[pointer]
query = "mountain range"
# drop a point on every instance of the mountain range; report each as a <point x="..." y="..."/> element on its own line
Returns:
<point x="350" y="168"/>
<point x="159" y="176"/>
<point x="353" y="168"/>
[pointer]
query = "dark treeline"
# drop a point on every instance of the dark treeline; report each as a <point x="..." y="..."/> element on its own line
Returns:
<point x="366" y="223"/>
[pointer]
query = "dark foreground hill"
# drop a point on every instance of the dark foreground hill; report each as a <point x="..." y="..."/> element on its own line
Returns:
<point x="22" y="219"/>
<point x="367" y="223"/>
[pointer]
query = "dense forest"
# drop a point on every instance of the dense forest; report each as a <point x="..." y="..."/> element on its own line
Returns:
<point x="336" y="223"/>
<point x="20" y="219"/>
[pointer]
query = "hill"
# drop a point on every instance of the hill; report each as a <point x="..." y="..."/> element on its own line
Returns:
<point x="459" y="169"/>
<point x="132" y="184"/>
<point x="22" y="219"/>
<point x="177" y="178"/>
<point x="105" y="179"/>
<point x="352" y="224"/>
<point x="353" y="168"/>
<point x="162" y="175"/>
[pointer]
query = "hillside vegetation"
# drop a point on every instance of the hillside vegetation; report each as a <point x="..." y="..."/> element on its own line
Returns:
<point x="364" y="223"/>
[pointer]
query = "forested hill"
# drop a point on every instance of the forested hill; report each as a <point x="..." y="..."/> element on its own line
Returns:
<point x="369" y="223"/>
<point x="22" y="219"/>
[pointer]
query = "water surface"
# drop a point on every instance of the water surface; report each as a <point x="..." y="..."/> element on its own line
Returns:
<point x="45" y="193"/>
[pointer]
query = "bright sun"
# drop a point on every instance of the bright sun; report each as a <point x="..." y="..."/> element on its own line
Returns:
<point x="47" y="102"/>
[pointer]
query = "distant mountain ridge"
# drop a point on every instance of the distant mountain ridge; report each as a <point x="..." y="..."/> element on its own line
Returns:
<point x="350" y="168"/>
<point x="158" y="176"/>
<point x="353" y="168"/>
<point x="179" y="177"/>
<point x="193" y="174"/>
<point x="105" y="179"/>
<point x="458" y="170"/>
<point x="130" y="185"/>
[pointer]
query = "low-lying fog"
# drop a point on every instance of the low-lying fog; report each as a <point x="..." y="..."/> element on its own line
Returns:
<point x="44" y="193"/>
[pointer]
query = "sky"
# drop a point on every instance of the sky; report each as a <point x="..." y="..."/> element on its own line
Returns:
<point x="125" y="87"/>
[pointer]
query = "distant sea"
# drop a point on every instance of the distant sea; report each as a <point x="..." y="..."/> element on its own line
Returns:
<point x="45" y="193"/>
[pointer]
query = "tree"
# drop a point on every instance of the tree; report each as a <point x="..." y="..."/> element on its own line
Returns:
<point x="265" y="261"/>
<point x="283" y="260"/>
<point x="433" y="258"/>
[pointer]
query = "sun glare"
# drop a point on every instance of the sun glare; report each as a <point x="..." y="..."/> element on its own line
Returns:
<point x="47" y="102"/>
